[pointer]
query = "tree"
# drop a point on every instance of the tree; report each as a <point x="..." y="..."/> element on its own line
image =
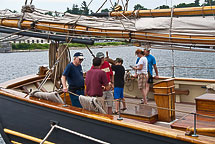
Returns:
<point x="74" y="10"/>
<point x="14" y="11"/>
<point x="105" y="10"/>
<point x="162" y="7"/>
<point x="209" y="2"/>
<point x="139" y="7"/>
<point x="84" y="8"/>
<point x="182" y="5"/>
<point x="49" y="13"/>
<point x="197" y="2"/>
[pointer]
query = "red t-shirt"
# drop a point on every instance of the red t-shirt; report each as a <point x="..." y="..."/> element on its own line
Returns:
<point x="106" y="68"/>
<point x="95" y="79"/>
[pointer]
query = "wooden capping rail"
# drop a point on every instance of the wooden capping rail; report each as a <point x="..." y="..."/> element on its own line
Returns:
<point x="18" y="134"/>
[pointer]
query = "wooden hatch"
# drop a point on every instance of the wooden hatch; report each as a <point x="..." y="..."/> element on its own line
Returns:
<point x="164" y="94"/>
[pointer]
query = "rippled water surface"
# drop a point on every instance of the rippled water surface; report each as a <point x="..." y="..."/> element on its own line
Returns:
<point x="14" y="65"/>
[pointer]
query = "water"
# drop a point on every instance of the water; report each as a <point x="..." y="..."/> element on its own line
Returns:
<point x="14" y="65"/>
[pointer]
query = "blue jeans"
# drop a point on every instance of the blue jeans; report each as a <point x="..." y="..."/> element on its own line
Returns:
<point x="75" y="99"/>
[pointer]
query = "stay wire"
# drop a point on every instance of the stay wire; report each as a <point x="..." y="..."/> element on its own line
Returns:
<point x="101" y="6"/>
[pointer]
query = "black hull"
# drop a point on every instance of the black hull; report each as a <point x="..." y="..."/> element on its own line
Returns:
<point x="34" y="120"/>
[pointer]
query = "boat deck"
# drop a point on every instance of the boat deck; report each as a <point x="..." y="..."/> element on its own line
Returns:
<point x="134" y="108"/>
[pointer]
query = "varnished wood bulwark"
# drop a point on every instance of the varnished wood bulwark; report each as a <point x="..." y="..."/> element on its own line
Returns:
<point x="165" y="98"/>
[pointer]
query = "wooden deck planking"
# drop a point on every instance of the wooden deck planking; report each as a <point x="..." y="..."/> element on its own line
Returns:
<point x="134" y="107"/>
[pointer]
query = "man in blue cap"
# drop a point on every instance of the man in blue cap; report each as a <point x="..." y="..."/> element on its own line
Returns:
<point x="73" y="74"/>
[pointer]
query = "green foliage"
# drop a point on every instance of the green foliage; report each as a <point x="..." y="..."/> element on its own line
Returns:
<point x="110" y="44"/>
<point x="197" y="2"/>
<point x="163" y="7"/>
<point x="49" y="13"/>
<point x="105" y="10"/>
<point x="182" y="5"/>
<point x="84" y="8"/>
<point x="26" y="46"/>
<point x="74" y="10"/>
<point x="98" y="44"/>
<point x="139" y="7"/>
<point x="209" y="2"/>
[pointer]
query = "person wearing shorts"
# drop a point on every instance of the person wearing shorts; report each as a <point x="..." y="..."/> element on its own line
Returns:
<point x="119" y="84"/>
<point x="142" y="74"/>
<point x="151" y="65"/>
<point x="107" y="94"/>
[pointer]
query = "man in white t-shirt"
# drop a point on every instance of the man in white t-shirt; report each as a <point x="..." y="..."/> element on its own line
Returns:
<point x="141" y="69"/>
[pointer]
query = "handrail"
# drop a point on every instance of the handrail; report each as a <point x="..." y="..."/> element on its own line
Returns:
<point x="31" y="138"/>
<point x="186" y="67"/>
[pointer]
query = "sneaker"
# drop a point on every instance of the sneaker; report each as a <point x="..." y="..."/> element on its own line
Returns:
<point x="141" y="101"/>
<point x="115" y="113"/>
<point x="123" y="109"/>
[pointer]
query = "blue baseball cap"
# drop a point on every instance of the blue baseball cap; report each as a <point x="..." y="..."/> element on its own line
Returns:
<point x="79" y="55"/>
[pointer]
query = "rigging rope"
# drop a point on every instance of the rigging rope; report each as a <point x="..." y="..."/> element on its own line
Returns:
<point x="101" y="6"/>
<point x="72" y="132"/>
<point x="50" y="71"/>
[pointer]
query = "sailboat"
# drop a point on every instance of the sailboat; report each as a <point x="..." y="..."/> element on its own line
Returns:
<point x="28" y="119"/>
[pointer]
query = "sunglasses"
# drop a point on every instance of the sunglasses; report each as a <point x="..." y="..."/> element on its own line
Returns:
<point x="81" y="59"/>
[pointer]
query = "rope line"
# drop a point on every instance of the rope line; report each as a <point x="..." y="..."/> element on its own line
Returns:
<point x="79" y="134"/>
<point x="52" y="69"/>
<point x="72" y="132"/>
<point x="101" y="6"/>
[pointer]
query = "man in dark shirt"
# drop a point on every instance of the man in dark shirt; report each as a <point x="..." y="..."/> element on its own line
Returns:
<point x="96" y="81"/>
<point x="73" y="74"/>
<point x="119" y="83"/>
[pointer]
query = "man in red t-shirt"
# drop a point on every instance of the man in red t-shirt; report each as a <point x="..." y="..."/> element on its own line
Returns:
<point x="107" y="94"/>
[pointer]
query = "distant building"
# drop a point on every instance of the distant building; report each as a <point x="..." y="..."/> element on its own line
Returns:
<point x="6" y="43"/>
<point x="5" y="47"/>
<point x="31" y="40"/>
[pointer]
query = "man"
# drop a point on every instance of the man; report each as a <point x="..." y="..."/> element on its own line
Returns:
<point x="105" y="66"/>
<point x="73" y="74"/>
<point x="151" y="64"/>
<point x="96" y="81"/>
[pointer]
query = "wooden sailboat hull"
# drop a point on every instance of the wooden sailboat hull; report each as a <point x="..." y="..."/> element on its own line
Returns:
<point x="34" y="120"/>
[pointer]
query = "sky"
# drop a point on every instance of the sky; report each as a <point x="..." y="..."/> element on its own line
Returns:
<point x="61" y="5"/>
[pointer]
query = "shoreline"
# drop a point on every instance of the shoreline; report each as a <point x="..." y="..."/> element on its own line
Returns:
<point x="70" y="48"/>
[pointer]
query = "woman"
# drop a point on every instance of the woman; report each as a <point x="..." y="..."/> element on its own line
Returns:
<point x="142" y="74"/>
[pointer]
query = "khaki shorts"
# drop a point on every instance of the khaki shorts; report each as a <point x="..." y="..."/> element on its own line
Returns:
<point x="108" y="97"/>
<point x="142" y="80"/>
